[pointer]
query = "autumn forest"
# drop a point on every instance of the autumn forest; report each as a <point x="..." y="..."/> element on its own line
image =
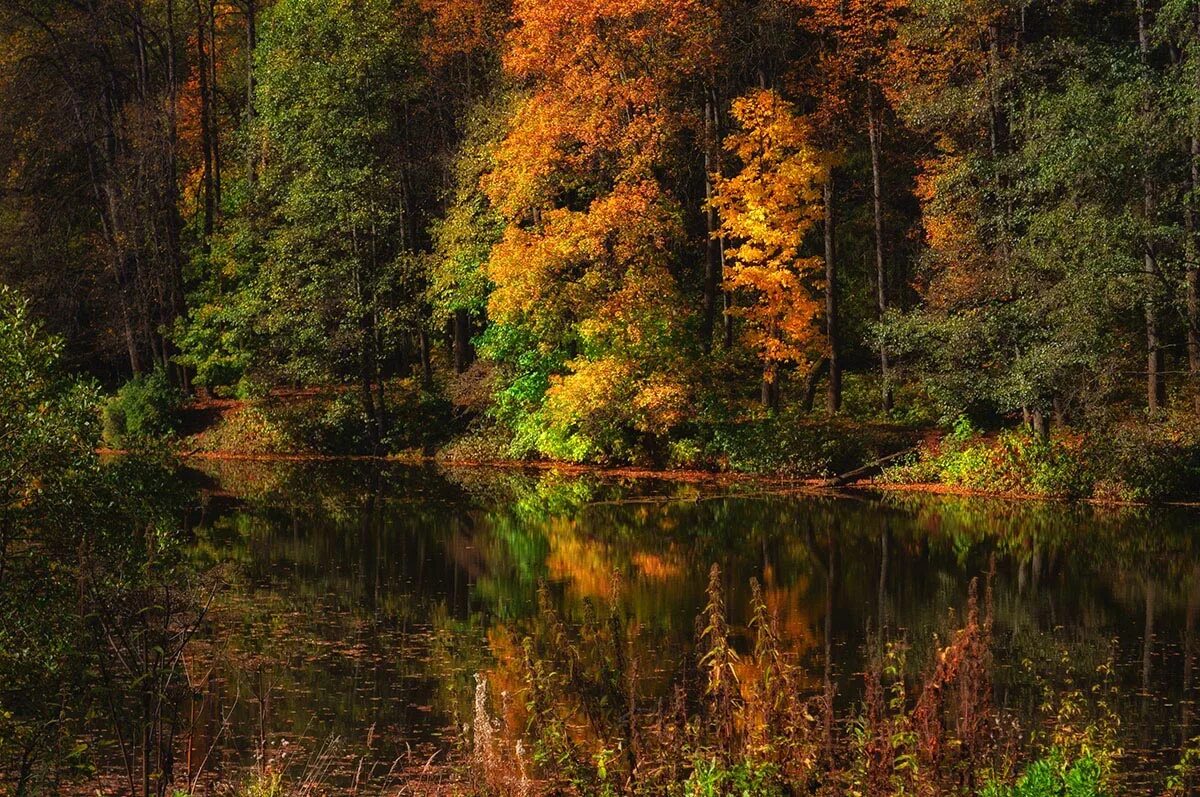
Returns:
<point x="619" y="231"/>
<point x="599" y="397"/>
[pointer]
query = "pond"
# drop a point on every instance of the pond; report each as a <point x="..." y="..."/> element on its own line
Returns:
<point x="363" y="599"/>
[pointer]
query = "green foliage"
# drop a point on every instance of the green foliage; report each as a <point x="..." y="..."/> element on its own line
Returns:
<point x="791" y="444"/>
<point x="1136" y="461"/>
<point x="332" y="423"/>
<point x="710" y="778"/>
<point x="1132" y="461"/>
<point x="484" y="441"/>
<point x="81" y="545"/>
<point x="221" y="338"/>
<point x="145" y="408"/>
<point x="340" y="285"/>
<point x="1054" y="776"/>
<point x="464" y="237"/>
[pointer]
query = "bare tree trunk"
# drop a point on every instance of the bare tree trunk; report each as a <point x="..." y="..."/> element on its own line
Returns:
<point x="727" y="305"/>
<point x="464" y="352"/>
<point x="769" y="396"/>
<point x="214" y="123"/>
<point x="1039" y="423"/>
<point x="205" y="123"/>
<point x="833" y="402"/>
<point x="712" y="249"/>
<point x="426" y="362"/>
<point x="1193" y="234"/>
<point x="873" y="124"/>
<point x="811" y="379"/>
<point x="174" y="222"/>
<point x="1155" y="389"/>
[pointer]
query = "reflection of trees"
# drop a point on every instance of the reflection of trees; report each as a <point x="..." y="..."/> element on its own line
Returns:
<point x="448" y="564"/>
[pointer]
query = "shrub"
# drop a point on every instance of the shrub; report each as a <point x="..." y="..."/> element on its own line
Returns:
<point x="145" y="408"/>
<point x="787" y="444"/>
<point x="711" y="778"/>
<point x="1054" y="776"/>
<point x="333" y="423"/>
<point x="1015" y="461"/>
<point x="484" y="441"/>
<point x="248" y="429"/>
<point x="1148" y="462"/>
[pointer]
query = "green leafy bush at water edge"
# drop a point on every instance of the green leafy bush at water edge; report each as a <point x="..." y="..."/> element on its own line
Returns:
<point x="333" y="424"/>
<point x="1054" y="776"/>
<point x="1130" y="462"/>
<point x="788" y="444"/>
<point x="146" y="407"/>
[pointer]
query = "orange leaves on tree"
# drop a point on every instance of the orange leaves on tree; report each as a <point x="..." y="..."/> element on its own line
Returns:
<point x="584" y="268"/>
<point x="593" y="267"/>
<point x="461" y="28"/>
<point x="602" y="81"/>
<point x="853" y="65"/>
<point x="766" y="209"/>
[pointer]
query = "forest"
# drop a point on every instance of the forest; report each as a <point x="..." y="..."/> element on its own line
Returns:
<point x="744" y="234"/>
<point x="445" y="396"/>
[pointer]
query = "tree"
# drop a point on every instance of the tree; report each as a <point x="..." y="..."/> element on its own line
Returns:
<point x="766" y="210"/>
<point x="852" y="73"/>
<point x="340" y="278"/>
<point x="587" y="316"/>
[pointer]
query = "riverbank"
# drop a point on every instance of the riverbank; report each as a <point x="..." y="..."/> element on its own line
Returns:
<point x="1127" y="463"/>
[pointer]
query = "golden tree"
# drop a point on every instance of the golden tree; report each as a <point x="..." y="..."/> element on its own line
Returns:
<point x="766" y="209"/>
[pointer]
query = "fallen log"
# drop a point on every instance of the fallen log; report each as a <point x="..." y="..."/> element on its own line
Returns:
<point x="867" y="469"/>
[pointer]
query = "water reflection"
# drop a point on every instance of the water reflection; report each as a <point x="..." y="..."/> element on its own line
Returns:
<point x="364" y="599"/>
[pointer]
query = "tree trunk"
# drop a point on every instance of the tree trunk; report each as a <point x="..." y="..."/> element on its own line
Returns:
<point x="464" y="352"/>
<point x="881" y="294"/>
<point x="833" y="401"/>
<point x="727" y="307"/>
<point x="174" y="221"/>
<point x="426" y="362"/>
<point x="1155" y="389"/>
<point x="1039" y="423"/>
<point x="205" y="124"/>
<point x="214" y="135"/>
<point x="811" y="379"/>
<point x="712" y="250"/>
<point x="1193" y="234"/>
<point x="770" y="390"/>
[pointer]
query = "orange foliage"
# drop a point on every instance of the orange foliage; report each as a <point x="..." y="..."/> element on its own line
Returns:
<point x="461" y="28"/>
<point x="766" y="210"/>
<point x="852" y="69"/>
<point x="602" y="80"/>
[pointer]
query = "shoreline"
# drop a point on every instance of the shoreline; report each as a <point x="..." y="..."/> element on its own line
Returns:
<point x="681" y="476"/>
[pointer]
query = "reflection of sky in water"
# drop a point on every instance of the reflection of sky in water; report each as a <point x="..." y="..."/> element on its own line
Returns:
<point x="365" y="599"/>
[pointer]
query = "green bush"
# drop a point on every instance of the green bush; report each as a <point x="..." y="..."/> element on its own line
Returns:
<point x="1053" y="776"/>
<point x="788" y="444"/>
<point x="484" y="441"/>
<point x="334" y="424"/>
<point x="1129" y="462"/>
<point x="1014" y="461"/>
<point x="1148" y="462"/>
<point x="248" y="429"/>
<point x="145" y="408"/>
<point x="711" y="778"/>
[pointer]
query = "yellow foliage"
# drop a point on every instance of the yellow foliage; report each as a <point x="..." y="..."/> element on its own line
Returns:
<point x="766" y="210"/>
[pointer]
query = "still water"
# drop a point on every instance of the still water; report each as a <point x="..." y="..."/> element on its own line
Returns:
<point x="363" y="599"/>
